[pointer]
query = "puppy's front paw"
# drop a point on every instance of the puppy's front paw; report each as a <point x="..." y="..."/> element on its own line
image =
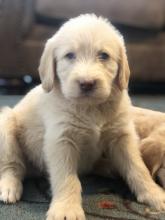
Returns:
<point x="10" y="189"/>
<point x="65" y="211"/>
<point x="154" y="197"/>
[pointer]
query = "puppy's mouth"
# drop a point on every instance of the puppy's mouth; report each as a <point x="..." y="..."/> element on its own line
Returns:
<point x="86" y="94"/>
<point x="89" y="98"/>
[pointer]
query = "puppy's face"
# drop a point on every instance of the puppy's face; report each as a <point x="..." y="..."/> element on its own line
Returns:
<point x="86" y="57"/>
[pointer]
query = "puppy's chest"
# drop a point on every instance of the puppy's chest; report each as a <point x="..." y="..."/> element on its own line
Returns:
<point x="89" y="135"/>
<point x="89" y="150"/>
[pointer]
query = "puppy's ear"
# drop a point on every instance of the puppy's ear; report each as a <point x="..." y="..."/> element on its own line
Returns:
<point x="123" y="70"/>
<point x="46" y="67"/>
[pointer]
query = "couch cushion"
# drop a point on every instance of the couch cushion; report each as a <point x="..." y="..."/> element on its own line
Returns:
<point x="27" y="15"/>
<point x="139" y="13"/>
<point x="15" y="21"/>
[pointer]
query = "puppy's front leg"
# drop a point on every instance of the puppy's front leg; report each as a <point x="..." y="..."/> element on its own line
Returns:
<point x="61" y="158"/>
<point x="128" y="162"/>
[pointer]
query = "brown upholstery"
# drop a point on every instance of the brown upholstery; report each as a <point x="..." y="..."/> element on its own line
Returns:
<point x="26" y="24"/>
<point x="139" y="13"/>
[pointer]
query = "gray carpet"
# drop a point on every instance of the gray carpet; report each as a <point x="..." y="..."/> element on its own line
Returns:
<point x="156" y="102"/>
<point x="102" y="198"/>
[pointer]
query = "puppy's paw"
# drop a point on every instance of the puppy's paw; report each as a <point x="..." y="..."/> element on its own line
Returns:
<point x="10" y="189"/>
<point x="155" y="197"/>
<point x="65" y="211"/>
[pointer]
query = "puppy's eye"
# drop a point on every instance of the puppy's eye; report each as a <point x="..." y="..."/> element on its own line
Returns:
<point x="103" y="56"/>
<point x="70" y="56"/>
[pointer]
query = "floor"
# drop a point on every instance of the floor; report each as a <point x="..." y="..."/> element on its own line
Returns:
<point x="97" y="192"/>
<point x="156" y="102"/>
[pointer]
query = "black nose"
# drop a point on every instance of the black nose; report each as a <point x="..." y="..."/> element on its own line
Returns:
<point x="87" y="86"/>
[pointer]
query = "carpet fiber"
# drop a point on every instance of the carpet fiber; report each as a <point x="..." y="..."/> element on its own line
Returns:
<point x="103" y="198"/>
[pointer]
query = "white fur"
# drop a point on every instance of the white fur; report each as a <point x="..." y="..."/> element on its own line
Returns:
<point x="61" y="131"/>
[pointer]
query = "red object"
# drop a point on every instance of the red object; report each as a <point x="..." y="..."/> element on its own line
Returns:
<point x="106" y="204"/>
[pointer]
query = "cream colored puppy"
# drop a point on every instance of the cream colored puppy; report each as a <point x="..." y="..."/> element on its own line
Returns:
<point x="150" y="126"/>
<point x="81" y="111"/>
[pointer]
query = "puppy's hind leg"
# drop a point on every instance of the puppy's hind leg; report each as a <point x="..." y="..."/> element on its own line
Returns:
<point x="12" y="167"/>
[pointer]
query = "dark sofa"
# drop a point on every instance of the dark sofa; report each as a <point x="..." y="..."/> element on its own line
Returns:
<point x="26" y="24"/>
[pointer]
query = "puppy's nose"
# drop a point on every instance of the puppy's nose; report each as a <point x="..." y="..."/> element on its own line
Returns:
<point x="87" y="86"/>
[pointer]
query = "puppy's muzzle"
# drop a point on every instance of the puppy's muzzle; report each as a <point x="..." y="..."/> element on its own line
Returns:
<point x="87" y="86"/>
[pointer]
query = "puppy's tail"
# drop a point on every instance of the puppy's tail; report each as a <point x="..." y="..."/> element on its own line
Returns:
<point x="10" y="152"/>
<point x="8" y="126"/>
<point x="7" y="114"/>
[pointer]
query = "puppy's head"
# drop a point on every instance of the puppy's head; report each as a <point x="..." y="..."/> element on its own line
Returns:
<point x="87" y="58"/>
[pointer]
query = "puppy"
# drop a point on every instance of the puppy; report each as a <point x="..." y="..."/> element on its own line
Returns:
<point x="81" y="111"/>
<point x="150" y="126"/>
